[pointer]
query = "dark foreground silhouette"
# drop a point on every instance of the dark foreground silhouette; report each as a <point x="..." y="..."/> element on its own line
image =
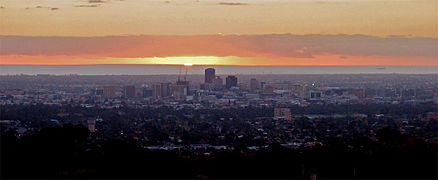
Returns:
<point x="66" y="152"/>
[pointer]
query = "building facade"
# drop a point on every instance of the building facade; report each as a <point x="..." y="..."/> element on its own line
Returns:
<point x="130" y="91"/>
<point x="210" y="75"/>
<point x="109" y="92"/>
<point x="282" y="114"/>
<point x="231" y="81"/>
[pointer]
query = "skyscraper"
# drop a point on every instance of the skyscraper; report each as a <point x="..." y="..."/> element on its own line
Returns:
<point x="178" y="91"/>
<point x="98" y="91"/>
<point x="254" y="84"/>
<point x="210" y="74"/>
<point x="231" y="81"/>
<point x="165" y="89"/>
<point x="147" y="92"/>
<point x="130" y="91"/>
<point x="156" y="91"/>
<point x="109" y="92"/>
<point x="218" y="83"/>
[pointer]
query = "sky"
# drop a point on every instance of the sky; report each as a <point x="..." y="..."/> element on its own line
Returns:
<point x="221" y="32"/>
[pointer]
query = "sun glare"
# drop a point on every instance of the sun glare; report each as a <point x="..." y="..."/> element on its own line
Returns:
<point x="185" y="60"/>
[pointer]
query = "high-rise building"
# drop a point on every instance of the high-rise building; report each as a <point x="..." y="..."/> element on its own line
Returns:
<point x="109" y="92"/>
<point x="185" y="85"/>
<point x="147" y="92"/>
<point x="231" y="81"/>
<point x="210" y="75"/>
<point x="156" y="91"/>
<point x="218" y="83"/>
<point x="282" y="113"/>
<point x="165" y="89"/>
<point x="305" y="93"/>
<point x="254" y="84"/>
<point x="178" y="91"/>
<point x="130" y="91"/>
<point x="98" y="91"/>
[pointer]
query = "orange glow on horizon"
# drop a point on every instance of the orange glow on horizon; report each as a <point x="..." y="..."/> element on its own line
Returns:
<point x="320" y="60"/>
<point x="258" y="32"/>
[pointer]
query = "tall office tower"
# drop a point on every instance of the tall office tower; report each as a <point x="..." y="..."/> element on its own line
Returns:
<point x="178" y="91"/>
<point x="109" y="92"/>
<point x="282" y="114"/>
<point x="98" y="91"/>
<point x="130" y="91"/>
<point x="184" y="84"/>
<point x="156" y="91"/>
<point x="254" y="84"/>
<point x="210" y="74"/>
<point x="218" y="83"/>
<point x="231" y="81"/>
<point x="165" y="89"/>
<point x="147" y="92"/>
<point x="305" y="92"/>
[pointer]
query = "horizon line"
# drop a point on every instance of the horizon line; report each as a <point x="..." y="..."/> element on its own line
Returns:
<point x="258" y="74"/>
<point x="221" y="34"/>
<point x="238" y="65"/>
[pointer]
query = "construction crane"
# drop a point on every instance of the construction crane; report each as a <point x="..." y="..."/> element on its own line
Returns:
<point x="179" y="74"/>
<point x="186" y="66"/>
<point x="185" y="76"/>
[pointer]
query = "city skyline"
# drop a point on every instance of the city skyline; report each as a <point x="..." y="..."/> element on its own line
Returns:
<point x="271" y="129"/>
<point x="218" y="89"/>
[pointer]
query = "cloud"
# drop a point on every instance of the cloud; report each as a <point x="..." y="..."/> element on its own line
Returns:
<point x="87" y="5"/>
<point x="97" y="1"/>
<point x="92" y="3"/>
<point x="232" y="3"/>
<point x="43" y="7"/>
<point x="271" y="46"/>
<point x="343" y="57"/>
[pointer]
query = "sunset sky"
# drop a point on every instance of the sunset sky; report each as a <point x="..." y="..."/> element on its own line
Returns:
<point x="237" y="32"/>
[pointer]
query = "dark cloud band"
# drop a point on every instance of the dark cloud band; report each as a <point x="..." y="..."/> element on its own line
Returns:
<point x="280" y="45"/>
